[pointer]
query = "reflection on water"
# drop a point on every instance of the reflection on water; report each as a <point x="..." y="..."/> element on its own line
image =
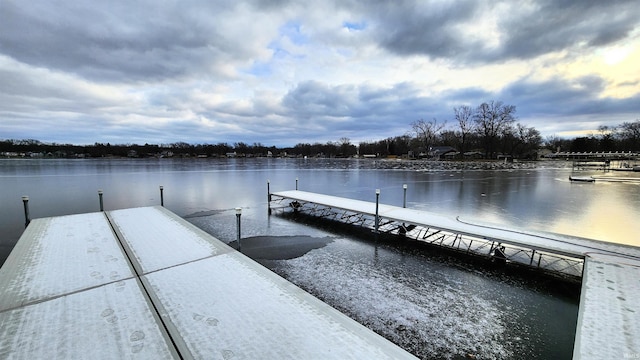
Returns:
<point x="540" y="199"/>
<point x="443" y="307"/>
<point x="607" y="213"/>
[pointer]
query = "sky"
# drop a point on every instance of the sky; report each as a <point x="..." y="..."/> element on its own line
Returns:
<point x="280" y="72"/>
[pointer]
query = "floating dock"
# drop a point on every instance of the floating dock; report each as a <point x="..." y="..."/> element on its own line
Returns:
<point x="609" y="313"/>
<point x="144" y="283"/>
<point x="605" y="179"/>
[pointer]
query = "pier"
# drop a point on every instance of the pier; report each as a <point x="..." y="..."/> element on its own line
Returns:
<point x="144" y="283"/>
<point x="609" y="313"/>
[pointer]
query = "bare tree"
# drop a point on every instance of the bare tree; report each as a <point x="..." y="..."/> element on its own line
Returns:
<point x="464" y="115"/>
<point x="554" y="143"/>
<point x="605" y="138"/>
<point x="345" y="147"/>
<point x="629" y="134"/>
<point x="528" y="139"/>
<point x="427" y="131"/>
<point x="492" y="120"/>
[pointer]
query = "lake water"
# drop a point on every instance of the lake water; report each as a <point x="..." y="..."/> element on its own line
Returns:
<point x="432" y="304"/>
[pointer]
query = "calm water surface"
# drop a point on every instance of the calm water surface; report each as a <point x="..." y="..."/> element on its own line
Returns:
<point x="433" y="305"/>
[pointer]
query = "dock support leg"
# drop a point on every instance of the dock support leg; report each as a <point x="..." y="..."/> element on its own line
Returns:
<point x="296" y="183"/>
<point x="377" y="205"/>
<point x="25" y="202"/>
<point x="539" y="259"/>
<point x="532" y="255"/>
<point x="268" y="198"/>
<point x="161" y="195"/>
<point x="238" y="214"/>
<point x="101" y="203"/>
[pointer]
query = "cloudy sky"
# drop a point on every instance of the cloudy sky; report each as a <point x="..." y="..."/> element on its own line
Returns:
<point x="281" y="72"/>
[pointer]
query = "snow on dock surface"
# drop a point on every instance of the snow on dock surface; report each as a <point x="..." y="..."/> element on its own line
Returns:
<point x="61" y="255"/>
<point x="555" y="243"/>
<point x="609" y="316"/>
<point x="154" y="286"/>
<point x="68" y="292"/>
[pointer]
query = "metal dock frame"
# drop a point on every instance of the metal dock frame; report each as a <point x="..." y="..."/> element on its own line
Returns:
<point x="558" y="263"/>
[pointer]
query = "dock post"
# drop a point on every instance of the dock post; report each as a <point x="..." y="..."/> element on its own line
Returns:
<point x="238" y="214"/>
<point x="296" y="183"/>
<point x="268" y="197"/>
<point x="161" y="195"/>
<point x="100" y="196"/>
<point x="539" y="259"/>
<point x="25" y="202"/>
<point x="404" y="202"/>
<point x="377" y="205"/>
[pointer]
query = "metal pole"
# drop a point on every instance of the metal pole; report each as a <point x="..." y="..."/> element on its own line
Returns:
<point x="238" y="214"/>
<point x="268" y="197"/>
<point x="296" y="183"/>
<point x="377" y="205"/>
<point x="25" y="202"/>
<point x="161" y="195"/>
<point x="404" y="203"/>
<point x="100" y="196"/>
<point x="533" y="253"/>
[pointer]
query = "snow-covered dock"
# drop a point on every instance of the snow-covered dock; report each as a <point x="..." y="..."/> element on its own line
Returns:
<point x="609" y="314"/>
<point x="144" y="283"/>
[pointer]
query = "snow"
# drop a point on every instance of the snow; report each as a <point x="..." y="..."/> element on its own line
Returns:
<point x="235" y="307"/>
<point x="438" y="316"/>
<point x="609" y="315"/>
<point x="158" y="239"/>
<point x="57" y="256"/>
<point x="609" y="318"/>
<point x="68" y="292"/>
<point x="556" y="243"/>
<point x="223" y="304"/>
<point x="108" y="322"/>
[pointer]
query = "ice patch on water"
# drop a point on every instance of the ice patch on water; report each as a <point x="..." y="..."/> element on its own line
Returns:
<point x="430" y="316"/>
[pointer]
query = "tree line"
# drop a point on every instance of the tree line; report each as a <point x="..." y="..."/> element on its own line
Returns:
<point x="492" y="129"/>
<point x="623" y="137"/>
<point x="489" y="129"/>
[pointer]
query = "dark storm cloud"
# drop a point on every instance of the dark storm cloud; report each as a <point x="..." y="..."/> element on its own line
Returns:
<point x="311" y="98"/>
<point x="361" y="111"/>
<point x="314" y="98"/>
<point x="562" y="105"/>
<point x="451" y="30"/>
<point x="466" y="96"/>
<point x="120" y="40"/>
<point x="566" y="97"/>
<point x="558" y="25"/>
<point x="429" y="30"/>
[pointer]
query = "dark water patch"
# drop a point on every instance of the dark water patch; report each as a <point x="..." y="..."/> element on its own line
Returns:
<point x="279" y="247"/>
<point x="204" y="213"/>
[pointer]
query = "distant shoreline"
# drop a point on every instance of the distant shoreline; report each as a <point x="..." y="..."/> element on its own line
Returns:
<point x="362" y="163"/>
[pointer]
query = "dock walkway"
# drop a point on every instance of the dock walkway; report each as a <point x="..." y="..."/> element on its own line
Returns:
<point x="144" y="283"/>
<point x="609" y="313"/>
